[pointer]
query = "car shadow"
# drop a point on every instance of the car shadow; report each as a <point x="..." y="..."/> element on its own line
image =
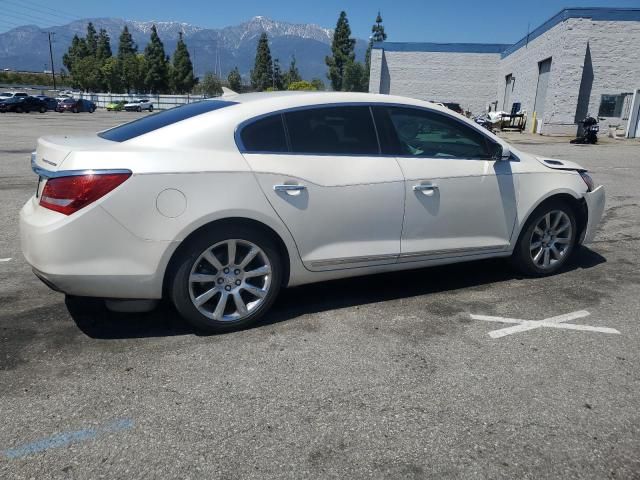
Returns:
<point x="93" y="319"/>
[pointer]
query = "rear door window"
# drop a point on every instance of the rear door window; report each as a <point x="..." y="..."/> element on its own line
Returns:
<point x="347" y="130"/>
<point x="265" y="135"/>
<point x="422" y="133"/>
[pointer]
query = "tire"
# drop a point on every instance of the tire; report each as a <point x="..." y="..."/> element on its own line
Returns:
<point x="139" y="109"/>
<point x="536" y="239"/>
<point x="19" y="110"/>
<point x="75" y="110"/>
<point x="43" y="109"/>
<point x="215" y="242"/>
<point x="150" y="108"/>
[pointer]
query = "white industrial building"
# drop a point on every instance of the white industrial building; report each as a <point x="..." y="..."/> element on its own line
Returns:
<point x="581" y="61"/>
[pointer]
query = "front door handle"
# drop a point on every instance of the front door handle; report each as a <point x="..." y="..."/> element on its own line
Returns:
<point x="427" y="189"/>
<point x="290" y="189"/>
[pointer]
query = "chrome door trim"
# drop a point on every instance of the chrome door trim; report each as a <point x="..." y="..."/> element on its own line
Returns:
<point x="43" y="172"/>
<point x="348" y="260"/>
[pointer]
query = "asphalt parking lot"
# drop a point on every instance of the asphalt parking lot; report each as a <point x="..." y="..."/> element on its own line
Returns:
<point x="390" y="376"/>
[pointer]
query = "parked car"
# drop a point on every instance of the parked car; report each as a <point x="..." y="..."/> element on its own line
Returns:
<point x="52" y="103"/>
<point x="76" y="105"/>
<point x="455" y="107"/>
<point x="116" y="106"/>
<point x="23" y="104"/>
<point x="139" y="105"/>
<point x="269" y="190"/>
<point x="5" y="95"/>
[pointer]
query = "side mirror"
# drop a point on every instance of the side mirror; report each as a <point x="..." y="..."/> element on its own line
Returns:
<point x="506" y="153"/>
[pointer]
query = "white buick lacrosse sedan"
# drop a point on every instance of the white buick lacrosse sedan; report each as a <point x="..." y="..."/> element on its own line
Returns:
<point x="217" y="205"/>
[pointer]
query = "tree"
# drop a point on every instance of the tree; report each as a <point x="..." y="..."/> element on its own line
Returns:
<point x="318" y="84"/>
<point x="126" y="45"/>
<point x="77" y="50"/>
<point x="342" y="52"/>
<point x="234" y="80"/>
<point x="278" y="82"/>
<point x="182" y="78"/>
<point x="377" y="35"/>
<point x="111" y="75"/>
<point x="355" y="78"/>
<point x="91" y="39"/>
<point x="127" y="62"/>
<point x="302" y="85"/>
<point x="210" y="85"/>
<point x="86" y="73"/>
<point x="262" y="73"/>
<point x="103" y="49"/>
<point x="292" y="75"/>
<point x="157" y="75"/>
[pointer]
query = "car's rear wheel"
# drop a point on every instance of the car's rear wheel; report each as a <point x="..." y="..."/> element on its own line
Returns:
<point x="139" y="109"/>
<point x="150" y="108"/>
<point x="226" y="279"/>
<point x="547" y="240"/>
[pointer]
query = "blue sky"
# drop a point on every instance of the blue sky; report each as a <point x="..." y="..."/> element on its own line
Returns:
<point x="491" y="21"/>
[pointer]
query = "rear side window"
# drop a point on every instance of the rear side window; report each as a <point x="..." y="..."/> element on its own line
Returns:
<point x="265" y="135"/>
<point x="162" y="119"/>
<point x="332" y="130"/>
<point x="421" y="133"/>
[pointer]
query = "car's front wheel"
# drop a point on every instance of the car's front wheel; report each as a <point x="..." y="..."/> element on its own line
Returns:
<point x="226" y="279"/>
<point x="547" y="240"/>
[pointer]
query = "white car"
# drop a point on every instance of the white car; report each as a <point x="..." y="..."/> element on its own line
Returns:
<point x="139" y="105"/>
<point x="7" y="95"/>
<point x="218" y="204"/>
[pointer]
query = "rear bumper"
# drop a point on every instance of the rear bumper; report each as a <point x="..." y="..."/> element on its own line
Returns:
<point x="595" y="208"/>
<point x="90" y="254"/>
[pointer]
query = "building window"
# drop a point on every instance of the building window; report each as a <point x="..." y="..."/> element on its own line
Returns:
<point x="612" y="106"/>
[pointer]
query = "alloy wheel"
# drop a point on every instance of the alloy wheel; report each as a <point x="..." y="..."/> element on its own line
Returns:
<point x="551" y="239"/>
<point x="230" y="280"/>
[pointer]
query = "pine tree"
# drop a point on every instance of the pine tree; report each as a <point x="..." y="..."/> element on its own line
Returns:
<point x="235" y="80"/>
<point x="342" y="52"/>
<point x="292" y="75"/>
<point x="127" y="62"/>
<point x="377" y="35"/>
<point x="126" y="45"/>
<point x="355" y="78"/>
<point x="262" y="73"/>
<point x="182" y="72"/>
<point x="157" y="76"/>
<point x="278" y="81"/>
<point x="77" y="50"/>
<point x="103" y="50"/>
<point x="91" y="39"/>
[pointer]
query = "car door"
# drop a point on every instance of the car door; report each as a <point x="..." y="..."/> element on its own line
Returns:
<point x="459" y="200"/>
<point x="321" y="171"/>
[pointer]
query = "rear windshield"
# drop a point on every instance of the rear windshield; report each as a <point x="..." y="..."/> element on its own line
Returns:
<point x="162" y="119"/>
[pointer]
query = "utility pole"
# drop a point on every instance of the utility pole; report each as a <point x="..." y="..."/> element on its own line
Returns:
<point x="53" y="71"/>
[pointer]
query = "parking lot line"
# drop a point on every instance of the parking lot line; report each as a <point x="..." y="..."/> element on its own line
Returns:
<point x="551" y="322"/>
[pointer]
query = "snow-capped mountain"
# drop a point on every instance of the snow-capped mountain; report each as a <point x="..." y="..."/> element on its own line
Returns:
<point x="26" y="48"/>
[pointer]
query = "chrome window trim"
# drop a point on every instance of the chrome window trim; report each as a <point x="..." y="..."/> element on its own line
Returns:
<point x="43" y="172"/>
<point x="244" y="123"/>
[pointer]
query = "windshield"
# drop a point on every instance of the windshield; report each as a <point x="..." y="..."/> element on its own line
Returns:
<point x="162" y="119"/>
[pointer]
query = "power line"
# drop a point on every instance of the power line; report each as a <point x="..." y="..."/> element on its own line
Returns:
<point x="57" y="12"/>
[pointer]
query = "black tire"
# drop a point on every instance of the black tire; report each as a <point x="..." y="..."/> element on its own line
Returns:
<point x="43" y="109"/>
<point x="139" y="109"/>
<point x="189" y="253"/>
<point x="19" y="110"/>
<point x="150" y="108"/>
<point x="522" y="256"/>
<point x="75" y="110"/>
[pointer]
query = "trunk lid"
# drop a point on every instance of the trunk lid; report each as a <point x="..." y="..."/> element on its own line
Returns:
<point x="53" y="150"/>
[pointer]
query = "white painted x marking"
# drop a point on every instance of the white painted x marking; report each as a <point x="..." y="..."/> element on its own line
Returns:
<point x="553" y="322"/>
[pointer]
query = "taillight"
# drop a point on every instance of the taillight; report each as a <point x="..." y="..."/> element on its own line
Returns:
<point x="69" y="194"/>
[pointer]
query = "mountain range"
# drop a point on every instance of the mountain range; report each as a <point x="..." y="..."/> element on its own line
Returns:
<point x="217" y="50"/>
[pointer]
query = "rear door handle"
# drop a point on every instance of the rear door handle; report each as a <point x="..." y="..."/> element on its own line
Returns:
<point x="427" y="189"/>
<point x="290" y="189"/>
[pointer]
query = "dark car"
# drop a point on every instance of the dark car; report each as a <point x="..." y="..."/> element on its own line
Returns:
<point x="455" y="107"/>
<point x="23" y="104"/>
<point x="52" y="103"/>
<point x="76" y="105"/>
